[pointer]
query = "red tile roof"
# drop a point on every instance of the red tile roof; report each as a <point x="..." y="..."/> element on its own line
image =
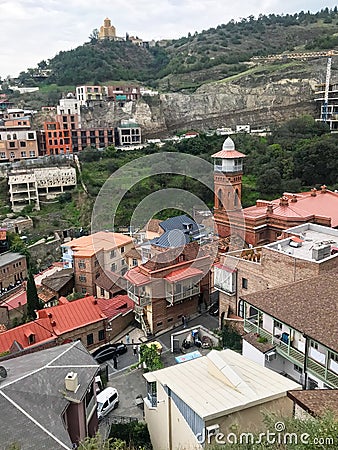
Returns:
<point x="183" y="274"/>
<point x="121" y="304"/>
<point x="72" y="315"/>
<point x="136" y="277"/>
<point x="19" y="299"/>
<point x="53" y="322"/>
<point x="228" y="154"/>
<point x="323" y="204"/>
<point x="40" y="328"/>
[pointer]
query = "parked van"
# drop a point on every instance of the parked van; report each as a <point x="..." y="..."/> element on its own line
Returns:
<point x="107" y="400"/>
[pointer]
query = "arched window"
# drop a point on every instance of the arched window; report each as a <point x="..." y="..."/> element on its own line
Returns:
<point x="236" y="198"/>
<point x="219" y="196"/>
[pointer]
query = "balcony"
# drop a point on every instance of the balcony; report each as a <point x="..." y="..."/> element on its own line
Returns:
<point x="140" y="300"/>
<point x="294" y="355"/>
<point x="176" y="297"/>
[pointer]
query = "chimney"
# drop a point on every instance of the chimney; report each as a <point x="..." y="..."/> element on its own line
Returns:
<point x="313" y="192"/>
<point x="269" y="208"/>
<point x="323" y="189"/>
<point x="71" y="382"/>
<point x="294" y="198"/>
<point x="283" y="201"/>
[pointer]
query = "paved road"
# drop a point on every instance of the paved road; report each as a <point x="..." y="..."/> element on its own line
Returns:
<point x="130" y="383"/>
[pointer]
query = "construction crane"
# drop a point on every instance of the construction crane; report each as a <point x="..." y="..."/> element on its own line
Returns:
<point x="327" y="88"/>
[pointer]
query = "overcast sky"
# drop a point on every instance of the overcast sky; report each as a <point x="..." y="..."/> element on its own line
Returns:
<point x="33" y="30"/>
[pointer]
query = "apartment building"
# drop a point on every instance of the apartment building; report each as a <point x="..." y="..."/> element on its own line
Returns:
<point x="306" y="251"/>
<point x="90" y="255"/>
<point x="128" y="133"/>
<point x="329" y="111"/>
<point x="92" y="138"/>
<point x="169" y="286"/>
<point x="86" y="94"/>
<point x="31" y="186"/>
<point x="57" y="139"/>
<point x="122" y="94"/>
<point x="296" y="327"/>
<point x="13" y="270"/>
<point x="17" y="140"/>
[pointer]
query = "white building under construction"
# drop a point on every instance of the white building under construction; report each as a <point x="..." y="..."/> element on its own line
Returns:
<point x="34" y="186"/>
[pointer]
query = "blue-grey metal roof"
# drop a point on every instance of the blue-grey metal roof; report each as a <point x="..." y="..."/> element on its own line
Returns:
<point x="33" y="396"/>
<point x="178" y="222"/>
<point x="178" y="231"/>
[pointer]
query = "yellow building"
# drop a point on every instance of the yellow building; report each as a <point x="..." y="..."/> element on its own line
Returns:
<point x="107" y="30"/>
<point x="190" y="403"/>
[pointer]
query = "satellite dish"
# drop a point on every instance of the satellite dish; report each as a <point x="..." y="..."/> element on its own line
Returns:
<point x="3" y="372"/>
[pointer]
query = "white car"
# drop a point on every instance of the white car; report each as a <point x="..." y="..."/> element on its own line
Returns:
<point x="107" y="400"/>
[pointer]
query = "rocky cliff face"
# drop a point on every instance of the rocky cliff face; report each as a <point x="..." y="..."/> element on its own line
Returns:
<point x="259" y="99"/>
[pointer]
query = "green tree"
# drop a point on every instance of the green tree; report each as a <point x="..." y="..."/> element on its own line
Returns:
<point x="33" y="301"/>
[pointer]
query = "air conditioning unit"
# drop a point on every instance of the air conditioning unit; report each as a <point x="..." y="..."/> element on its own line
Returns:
<point x="270" y="356"/>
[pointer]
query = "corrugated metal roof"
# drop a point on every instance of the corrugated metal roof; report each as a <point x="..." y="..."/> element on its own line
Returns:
<point x="223" y="382"/>
<point x="183" y="274"/>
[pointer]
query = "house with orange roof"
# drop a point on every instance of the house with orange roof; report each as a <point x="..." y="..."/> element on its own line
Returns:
<point x="90" y="255"/>
<point x="80" y="319"/>
<point x="170" y="285"/>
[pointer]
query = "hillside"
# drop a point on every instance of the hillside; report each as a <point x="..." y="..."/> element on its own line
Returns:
<point x="190" y="61"/>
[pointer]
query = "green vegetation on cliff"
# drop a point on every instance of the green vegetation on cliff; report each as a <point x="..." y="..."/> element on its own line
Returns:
<point x="188" y="62"/>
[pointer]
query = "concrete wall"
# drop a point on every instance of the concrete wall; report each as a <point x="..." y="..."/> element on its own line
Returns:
<point x="166" y="424"/>
<point x="45" y="253"/>
<point x="252" y="419"/>
<point x="250" y="352"/>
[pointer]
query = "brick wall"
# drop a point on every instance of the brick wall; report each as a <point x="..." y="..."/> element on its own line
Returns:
<point x="274" y="269"/>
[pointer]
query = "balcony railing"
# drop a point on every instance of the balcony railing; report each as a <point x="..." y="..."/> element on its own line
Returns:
<point x="294" y="355"/>
<point x="172" y="298"/>
<point x="141" y="300"/>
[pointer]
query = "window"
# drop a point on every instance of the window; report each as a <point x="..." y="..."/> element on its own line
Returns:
<point x="31" y="339"/>
<point x="82" y="278"/>
<point x="122" y="249"/>
<point x="83" y="290"/>
<point x="97" y="275"/>
<point x="81" y="264"/>
<point x="333" y="356"/>
<point x="101" y="335"/>
<point x="22" y="144"/>
<point x="112" y="254"/>
<point x="314" y="344"/>
<point x="96" y="263"/>
<point x="102" y="292"/>
<point x="113" y="267"/>
<point x="90" y="339"/>
<point x="297" y="368"/>
<point x="241" y="308"/>
<point x="134" y="262"/>
<point x="152" y="393"/>
<point x="277" y="324"/>
<point x="12" y="144"/>
<point x="23" y="154"/>
<point x="2" y="155"/>
<point x="244" y="283"/>
<point x="32" y="153"/>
